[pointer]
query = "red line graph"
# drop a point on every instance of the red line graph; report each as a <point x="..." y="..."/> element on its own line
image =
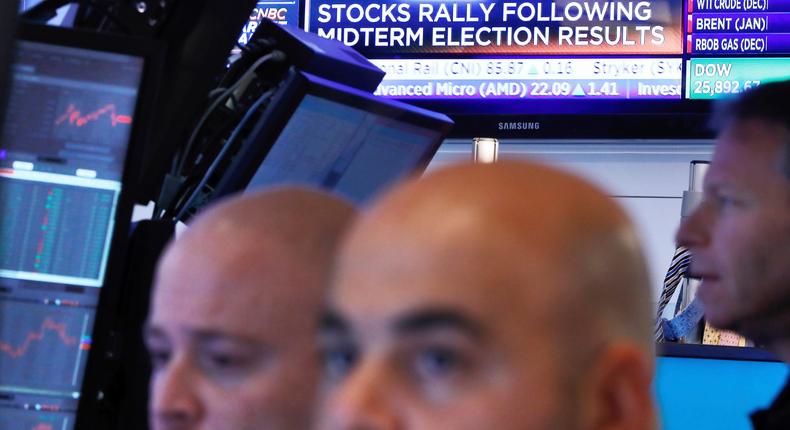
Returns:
<point x="42" y="426"/>
<point x="47" y="324"/>
<point x="75" y="117"/>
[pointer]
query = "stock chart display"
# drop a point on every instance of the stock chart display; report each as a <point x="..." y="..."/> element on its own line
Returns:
<point x="64" y="144"/>
<point x="21" y="419"/>
<point x="71" y="110"/>
<point x="563" y="49"/>
<point x="43" y="348"/>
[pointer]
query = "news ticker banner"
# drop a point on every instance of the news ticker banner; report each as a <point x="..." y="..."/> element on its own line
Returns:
<point x="600" y="78"/>
<point x="282" y="12"/>
<point x="738" y="27"/>
<point x="712" y="78"/>
<point x="540" y="27"/>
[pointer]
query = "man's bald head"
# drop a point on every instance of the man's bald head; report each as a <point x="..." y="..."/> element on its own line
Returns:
<point x="282" y="237"/>
<point x="516" y="221"/>
<point x="544" y="269"/>
<point x="237" y="297"/>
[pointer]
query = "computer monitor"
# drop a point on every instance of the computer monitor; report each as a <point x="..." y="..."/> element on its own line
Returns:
<point x="324" y="134"/>
<point x="74" y="111"/>
<point x="706" y="387"/>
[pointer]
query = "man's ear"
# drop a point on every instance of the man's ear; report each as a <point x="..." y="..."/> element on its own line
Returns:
<point x="618" y="392"/>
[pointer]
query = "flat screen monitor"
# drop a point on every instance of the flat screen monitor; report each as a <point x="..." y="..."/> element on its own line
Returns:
<point x="327" y="135"/>
<point x="565" y="68"/>
<point x="73" y="106"/>
<point x="714" y="387"/>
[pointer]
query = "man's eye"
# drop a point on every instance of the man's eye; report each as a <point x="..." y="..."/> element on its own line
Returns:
<point x="159" y="358"/>
<point x="338" y="361"/>
<point x="224" y="361"/>
<point x="437" y="362"/>
<point x="724" y="202"/>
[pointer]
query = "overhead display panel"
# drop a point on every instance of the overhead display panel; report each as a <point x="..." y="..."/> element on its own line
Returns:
<point x="558" y="49"/>
<point x="497" y="28"/>
<point x="658" y="60"/>
<point x="539" y="49"/>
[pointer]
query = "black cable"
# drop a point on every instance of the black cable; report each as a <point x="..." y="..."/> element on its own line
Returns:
<point x="219" y="158"/>
<point x="272" y="56"/>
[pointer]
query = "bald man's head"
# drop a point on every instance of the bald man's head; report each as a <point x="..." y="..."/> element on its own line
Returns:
<point x="499" y="280"/>
<point x="236" y="298"/>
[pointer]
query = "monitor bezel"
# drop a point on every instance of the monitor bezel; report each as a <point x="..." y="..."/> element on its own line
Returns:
<point x="585" y="118"/>
<point x="8" y="11"/>
<point x="715" y="352"/>
<point x="664" y="126"/>
<point x="105" y="348"/>
<point x="299" y="84"/>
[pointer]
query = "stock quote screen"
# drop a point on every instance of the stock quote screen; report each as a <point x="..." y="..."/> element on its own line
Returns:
<point x="563" y="49"/>
<point x="64" y="143"/>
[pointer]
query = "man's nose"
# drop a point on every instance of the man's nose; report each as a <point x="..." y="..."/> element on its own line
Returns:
<point x="694" y="230"/>
<point x="175" y="403"/>
<point x="363" y="401"/>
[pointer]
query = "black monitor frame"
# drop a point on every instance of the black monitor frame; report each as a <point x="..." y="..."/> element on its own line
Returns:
<point x="296" y="87"/>
<point x="8" y="11"/>
<point x="104" y="349"/>
<point x="688" y="121"/>
<point x="716" y="352"/>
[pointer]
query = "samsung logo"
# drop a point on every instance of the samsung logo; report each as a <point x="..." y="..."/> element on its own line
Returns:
<point x="519" y="126"/>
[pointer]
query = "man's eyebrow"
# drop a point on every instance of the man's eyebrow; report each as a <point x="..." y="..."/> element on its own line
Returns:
<point x="151" y="331"/>
<point x="438" y="318"/>
<point x="207" y="336"/>
<point x="332" y="321"/>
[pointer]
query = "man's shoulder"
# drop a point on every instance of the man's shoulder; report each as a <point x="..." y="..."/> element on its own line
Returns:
<point x="776" y="416"/>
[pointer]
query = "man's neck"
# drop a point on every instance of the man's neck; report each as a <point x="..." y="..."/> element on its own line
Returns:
<point x="771" y="329"/>
<point x="781" y="347"/>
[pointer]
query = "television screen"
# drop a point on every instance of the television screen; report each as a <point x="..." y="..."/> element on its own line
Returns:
<point x="645" y="68"/>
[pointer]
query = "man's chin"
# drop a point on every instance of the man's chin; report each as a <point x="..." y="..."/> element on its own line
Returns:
<point x="717" y="311"/>
<point x="753" y="328"/>
<point x="767" y="327"/>
<point x="721" y="320"/>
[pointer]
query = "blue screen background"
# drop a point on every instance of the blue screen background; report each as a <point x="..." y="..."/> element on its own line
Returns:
<point x="712" y="394"/>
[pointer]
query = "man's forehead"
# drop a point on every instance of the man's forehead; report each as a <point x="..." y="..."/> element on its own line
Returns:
<point x="209" y="296"/>
<point x="744" y="148"/>
<point x="376" y="299"/>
